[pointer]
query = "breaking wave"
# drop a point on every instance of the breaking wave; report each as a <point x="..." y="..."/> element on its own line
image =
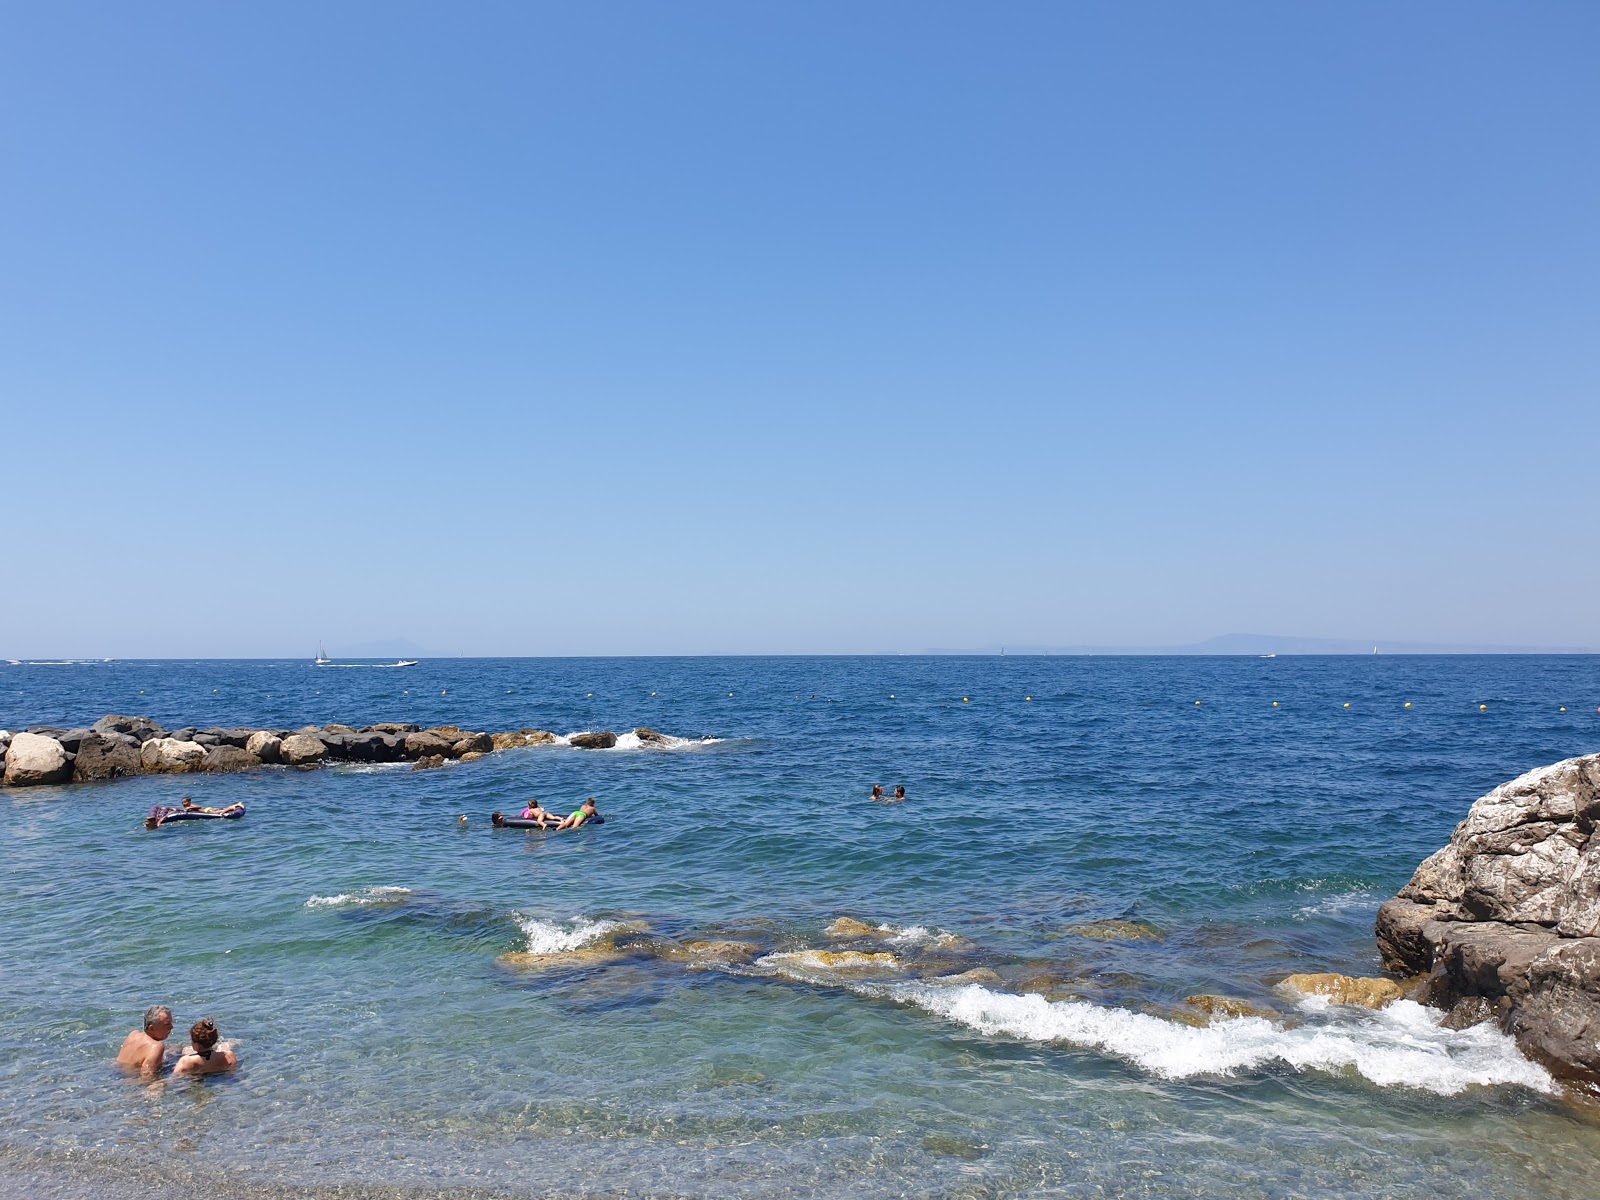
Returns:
<point x="1402" y="1045"/>
<point x="549" y="937"/>
<point x="371" y="895"/>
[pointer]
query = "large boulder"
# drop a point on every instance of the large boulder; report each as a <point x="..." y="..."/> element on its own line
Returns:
<point x="141" y="728"/>
<point x="264" y="744"/>
<point x="302" y="749"/>
<point x="106" y="756"/>
<point x="223" y="759"/>
<point x="1506" y="917"/>
<point x="32" y="759"/>
<point x="372" y="747"/>
<point x="593" y="741"/>
<point x="170" y="755"/>
<point x="427" y="744"/>
<point x="472" y="743"/>
<point x="237" y="737"/>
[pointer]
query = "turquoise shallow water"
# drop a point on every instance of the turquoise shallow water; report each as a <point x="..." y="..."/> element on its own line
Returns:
<point x="349" y="935"/>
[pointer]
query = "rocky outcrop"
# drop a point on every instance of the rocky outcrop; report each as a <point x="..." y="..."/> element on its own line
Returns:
<point x="1505" y="919"/>
<point x="106" y="756"/>
<point x="117" y="745"/>
<point x="170" y="755"/>
<point x="33" y="759"/>
<point x="1345" y="989"/>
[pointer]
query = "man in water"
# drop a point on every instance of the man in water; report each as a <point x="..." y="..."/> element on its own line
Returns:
<point x="144" y="1050"/>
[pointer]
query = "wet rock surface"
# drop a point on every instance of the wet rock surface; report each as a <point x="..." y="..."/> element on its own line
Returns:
<point x="1505" y="919"/>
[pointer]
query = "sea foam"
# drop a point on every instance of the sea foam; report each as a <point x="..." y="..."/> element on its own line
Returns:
<point x="371" y="895"/>
<point x="548" y="937"/>
<point x="1402" y="1045"/>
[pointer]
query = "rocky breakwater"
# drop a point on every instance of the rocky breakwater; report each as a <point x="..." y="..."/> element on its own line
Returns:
<point x="1505" y="919"/>
<point x="116" y="746"/>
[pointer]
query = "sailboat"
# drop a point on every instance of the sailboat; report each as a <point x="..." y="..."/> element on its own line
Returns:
<point x="322" y="659"/>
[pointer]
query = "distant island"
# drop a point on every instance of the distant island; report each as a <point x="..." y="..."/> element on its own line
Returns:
<point x="1265" y="643"/>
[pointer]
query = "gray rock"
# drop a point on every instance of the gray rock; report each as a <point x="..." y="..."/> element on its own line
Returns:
<point x="264" y="744"/>
<point x="185" y="734"/>
<point x="205" y="739"/>
<point x="1506" y="917"/>
<point x="428" y="762"/>
<point x="374" y="747"/>
<point x="72" y="739"/>
<point x="33" y="759"/>
<point x="106" y="756"/>
<point x="390" y="727"/>
<point x="222" y="759"/>
<point x="171" y="755"/>
<point x="301" y="749"/>
<point x="141" y="728"/>
<point x="593" y="741"/>
<point x="236" y="736"/>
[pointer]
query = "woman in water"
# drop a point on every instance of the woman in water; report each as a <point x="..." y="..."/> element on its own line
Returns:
<point x="536" y="813"/>
<point x="205" y="1055"/>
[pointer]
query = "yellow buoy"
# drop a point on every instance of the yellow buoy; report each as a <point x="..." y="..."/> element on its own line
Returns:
<point x="1274" y="704"/>
<point x="591" y="696"/>
<point x="1563" y="708"/>
<point x="1483" y="708"/>
<point x="1197" y="704"/>
<point x="1029" y="699"/>
<point x="1347" y="704"/>
<point x="213" y="691"/>
<point x="964" y="700"/>
<point x="1408" y="704"/>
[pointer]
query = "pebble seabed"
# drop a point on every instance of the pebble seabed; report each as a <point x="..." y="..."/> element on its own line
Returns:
<point x="671" y="1005"/>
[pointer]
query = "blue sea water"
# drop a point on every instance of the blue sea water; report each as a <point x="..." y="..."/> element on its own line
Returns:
<point x="423" y="1008"/>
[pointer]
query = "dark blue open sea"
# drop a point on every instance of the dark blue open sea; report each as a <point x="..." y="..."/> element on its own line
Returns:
<point x="1084" y="846"/>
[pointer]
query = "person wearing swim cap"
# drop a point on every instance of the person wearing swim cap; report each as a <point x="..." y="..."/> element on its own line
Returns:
<point x="205" y="1054"/>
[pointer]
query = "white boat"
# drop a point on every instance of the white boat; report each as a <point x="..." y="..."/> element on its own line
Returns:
<point x="322" y="659"/>
<point x="406" y="662"/>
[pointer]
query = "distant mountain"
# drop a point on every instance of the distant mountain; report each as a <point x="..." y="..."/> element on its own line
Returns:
<point x="1264" y="643"/>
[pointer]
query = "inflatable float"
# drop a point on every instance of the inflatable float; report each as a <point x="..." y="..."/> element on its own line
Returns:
<point x="501" y="821"/>
<point x="163" y="814"/>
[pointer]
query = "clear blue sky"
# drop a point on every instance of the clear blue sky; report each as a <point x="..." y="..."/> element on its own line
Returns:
<point x="702" y="327"/>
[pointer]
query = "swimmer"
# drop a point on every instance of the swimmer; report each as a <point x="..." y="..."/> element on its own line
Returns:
<point x="205" y="1055"/>
<point x="145" y="1050"/>
<point x="899" y="796"/>
<point x="877" y="794"/>
<point x="584" y="812"/>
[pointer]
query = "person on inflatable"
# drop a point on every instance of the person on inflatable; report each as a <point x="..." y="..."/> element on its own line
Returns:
<point x="534" y="812"/>
<point x="584" y="812"/>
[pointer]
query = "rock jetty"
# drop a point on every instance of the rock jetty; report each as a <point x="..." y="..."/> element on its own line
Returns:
<point x="1505" y="919"/>
<point x="116" y="746"/>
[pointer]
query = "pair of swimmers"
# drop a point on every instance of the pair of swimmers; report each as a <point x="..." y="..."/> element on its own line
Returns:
<point x="878" y="797"/>
<point x="549" y="820"/>
<point x="144" y="1051"/>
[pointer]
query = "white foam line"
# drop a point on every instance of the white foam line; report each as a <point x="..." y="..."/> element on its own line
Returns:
<point x="371" y="895"/>
<point x="1402" y="1045"/>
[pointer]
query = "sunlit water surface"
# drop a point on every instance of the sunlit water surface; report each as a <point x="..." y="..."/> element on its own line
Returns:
<point x="348" y="934"/>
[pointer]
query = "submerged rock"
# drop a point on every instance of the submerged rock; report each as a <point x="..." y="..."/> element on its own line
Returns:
<point x="1119" y="931"/>
<point x="33" y="759"/>
<point x="1506" y="916"/>
<point x="849" y="927"/>
<point x="1345" y="989"/>
<point x="1228" y="1008"/>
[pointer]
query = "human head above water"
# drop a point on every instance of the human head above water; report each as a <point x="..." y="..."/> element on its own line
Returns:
<point x="900" y="791"/>
<point x="877" y="791"/>
<point x="203" y="1034"/>
<point x="158" y="1017"/>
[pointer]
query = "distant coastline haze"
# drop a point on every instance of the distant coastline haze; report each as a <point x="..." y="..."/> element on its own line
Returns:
<point x="710" y="329"/>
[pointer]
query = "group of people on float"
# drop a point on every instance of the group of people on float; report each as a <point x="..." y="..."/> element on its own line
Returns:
<point x="536" y="812"/>
<point x="144" y="1050"/>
